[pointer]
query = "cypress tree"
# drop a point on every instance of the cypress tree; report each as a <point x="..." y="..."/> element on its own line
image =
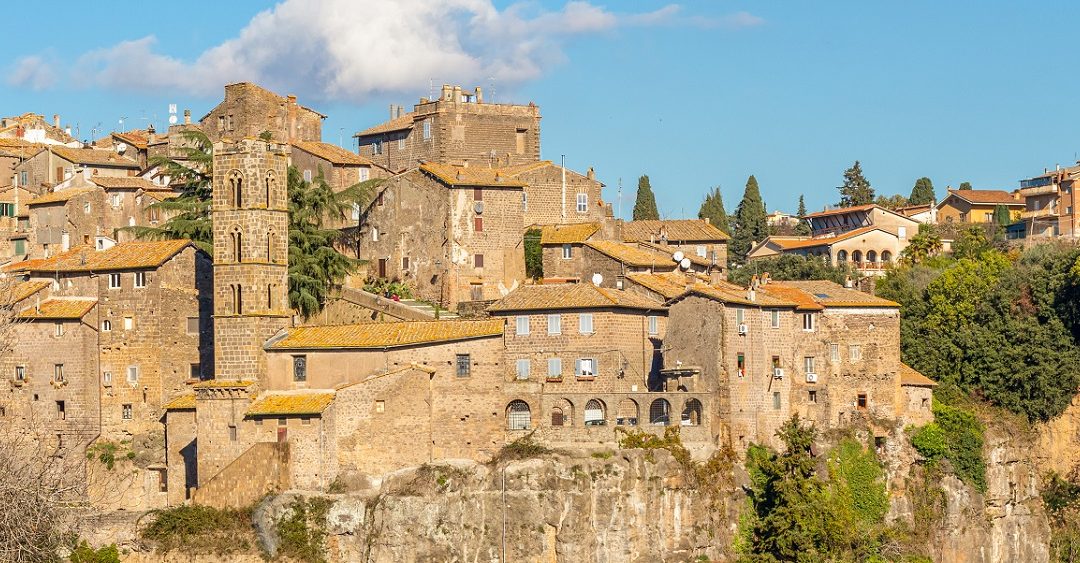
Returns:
<point x="1002" y="216"/>
<point x="750" y="224"/>
<point x="922" y="193"/>
<point x="713" y="210"/>
<point x="645" y="206"/>
<point x="802" y="228"/>
<point x="856" y="189"/>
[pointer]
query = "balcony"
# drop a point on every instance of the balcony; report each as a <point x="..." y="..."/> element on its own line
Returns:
<point x="1044" y="212"/>
<point x="1039" y="190"/>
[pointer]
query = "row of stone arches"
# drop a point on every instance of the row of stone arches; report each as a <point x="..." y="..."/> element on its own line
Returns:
<point x="236" y="244"/>
<point x="236" y="197"/>
<point x="867" y="257"/>
<point x="236" y="296"/>
<point x="627" y="413"/>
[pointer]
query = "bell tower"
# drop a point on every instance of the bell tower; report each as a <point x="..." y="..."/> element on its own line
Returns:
<point x="251" y="227"/>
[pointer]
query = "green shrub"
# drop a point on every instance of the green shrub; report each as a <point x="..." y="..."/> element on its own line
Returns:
<point x="956" y="435"/>
<point x="199" y="528"/>
<point x="302" y="531"/>
<point x="522" y="448"/>
<point x="929" y="441"/>
<point x="83" y="553"/>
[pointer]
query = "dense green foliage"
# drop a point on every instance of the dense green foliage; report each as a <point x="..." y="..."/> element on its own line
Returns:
<point x="802" y="228"/>
<point x="84" y="553"/>
<point x="956" y="435"/>
<point x="645" y="205"/>
<point x="965" y="185"/>
<point x="895" y="201"/>
<point x="1061" y="497"/>
<point x="1000" y="326"/>
<point x="534" y="254"/>
<point x="713" y="210"/>
<point x="199" y="529"/>
<point x="1002" y="216"/>
<point x="302" y="530"/>
<point x="750" y="225"/>
<point x="791" y="267"/>
<point x="856" y="189"/>
<point x="796" y="513"/>
<point x="922" y="193"/>
<point x="924" y="245"/>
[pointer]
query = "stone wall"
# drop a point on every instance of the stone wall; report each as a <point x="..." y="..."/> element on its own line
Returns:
<point x="260" y="470"/>
<point x="544" y="197"/>
<point x="248" y="110"/>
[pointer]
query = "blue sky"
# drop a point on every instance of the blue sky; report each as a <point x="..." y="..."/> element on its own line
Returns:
<point x="695" y="95"/>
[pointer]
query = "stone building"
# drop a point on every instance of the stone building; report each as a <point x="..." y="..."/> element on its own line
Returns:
<point x="54" y="164"/>
<point x="457" y="128"/>
<point x="696" y="238"/>
<point x="1050" y="209"/>
<point x="338" y="166"/>
<point x="977" y="206"/>
<point x="249" y="111"/>
<point x="454" y="233"/>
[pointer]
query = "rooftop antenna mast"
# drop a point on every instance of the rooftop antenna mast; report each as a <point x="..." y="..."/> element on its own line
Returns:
<point x="619" y="197"/>
<point x="491" y="86"/>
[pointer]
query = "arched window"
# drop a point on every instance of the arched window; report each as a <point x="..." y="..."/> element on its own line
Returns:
<point x="871" y="256"/>
<point x="841" y="257"/>
<point x="236" y="188"/>
<point x="270" y="182"/>
<point x="270" y="247"/>
<point x="518" y="415"/>
<point x="238" y="245"/>
<point x="660" y="412"/>
<point x="238" y="299"/>
<point x="886" y="256"/>
<point x="269" y="297"/>
<point x="856" y="257"/>
<point x="557" y="417"/>
<point x="691" y="413"/>
<point x="627" y="415"/>
<point x="594" y="413"/>
<point x="562" y="414"/>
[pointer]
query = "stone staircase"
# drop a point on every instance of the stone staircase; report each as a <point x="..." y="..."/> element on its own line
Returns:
<point x="262" y="469"/>
<point x="427" y="309"/>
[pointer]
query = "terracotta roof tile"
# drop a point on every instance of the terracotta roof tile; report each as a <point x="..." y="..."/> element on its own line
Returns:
<point x="331" y="153"/>
<point x="291" y="403"/>
<point x="727" y="293"/>
<point x="792" y="243"/>
<point x="136" y="137"/>
<point x="986" y="197"/>
<point x="123" y="256"/>
<point x="631" y="255"/>
<point x="687" y="230"/>
<point x="61" y="308"/>
<point x="669" y="284"/>
<point x="61" y="196"/>
<point x="180" y="403"/>
<point x="802" y="300"/>
<point x="668" y="250"/>
<point x="134" y="182"/>
<point x="223" y="383"/>
<point x="567" y="234"/>
<point x="25" y="289"/>
<point x="832" y="294"/>
<point x="453" y="175"/>
<point x="384" y="335"/>
<point x="912" y="378"/>
<point x="571" y="296"/>
<point x="400" y="123"/>
<point x="94" y="157"/>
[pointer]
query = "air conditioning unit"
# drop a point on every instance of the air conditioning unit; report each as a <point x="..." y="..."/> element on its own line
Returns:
<point x="811" y="378"/>
<point x="778" y="373"/>
<point x="743" y="329"/>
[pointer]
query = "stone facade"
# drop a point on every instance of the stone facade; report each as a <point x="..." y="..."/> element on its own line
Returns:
<point x="248" y="111"/>
<point x="457" y="128"/>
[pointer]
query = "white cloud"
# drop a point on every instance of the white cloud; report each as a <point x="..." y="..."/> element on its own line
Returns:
<point x="32" y="72"/>
<point x="350" y="49"/>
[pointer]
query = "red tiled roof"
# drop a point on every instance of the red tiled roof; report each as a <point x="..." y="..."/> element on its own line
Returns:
<point x="331" y="153"/>
<point x="402" y="122"/>
<point x="676" y="230"/>
<point x="986" y="197"/>
<point x="124" y="256"/>
<point x="912" y="378"/>
<point x="570" y="296"/>
<point x="792" y="243"/>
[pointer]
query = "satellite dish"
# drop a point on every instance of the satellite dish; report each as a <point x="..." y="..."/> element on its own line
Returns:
<point x="121" y="147"/>
<point x="597" y="279"/>
<point x="678" y="256"/>
<point x="684" y="263"/>
<point x="479" y="207"/>
<point x="172" y="119"/>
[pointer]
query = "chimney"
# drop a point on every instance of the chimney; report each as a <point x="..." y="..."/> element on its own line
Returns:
<point x="424" y="100"/>
<point x="291" y="124"/>
<point x="187" y="117"/>
<point x="590" y="174"/>
<point x="151" y="134"/>
<point x="479" y="95"/>
<point x="446" y="92"/>
<point x="457" y="94"/>
<point x="393" y="111"/>
<point x="56" y="120"/>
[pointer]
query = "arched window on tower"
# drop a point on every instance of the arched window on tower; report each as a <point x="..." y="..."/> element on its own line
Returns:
<point x="270" y="247"/>
<point x="236" y="188"/>
<point x="238" y="300"/>
<point x="270" y="181"/>
<point x="269" y="297"/>
<point x="238" y="245"/>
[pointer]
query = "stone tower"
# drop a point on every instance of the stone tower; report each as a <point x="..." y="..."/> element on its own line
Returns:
<point x="251" y="223"/>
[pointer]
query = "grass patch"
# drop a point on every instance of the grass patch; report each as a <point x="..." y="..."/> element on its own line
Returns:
<point x="200" y="529"/>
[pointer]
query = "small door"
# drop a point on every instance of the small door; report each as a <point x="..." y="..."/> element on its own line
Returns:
<point x="382" y="267"/>
<point x="282" y="435"/>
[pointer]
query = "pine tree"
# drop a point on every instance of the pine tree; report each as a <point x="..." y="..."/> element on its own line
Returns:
<point x="802" y="228"/>
<point x="856" y="189"/>
<point x="645" y="206"/>
<point x="923" y="192"/>
<point x="713" y="210"/>
<point x="965" y="185"/>
<point x="750" y="224"/>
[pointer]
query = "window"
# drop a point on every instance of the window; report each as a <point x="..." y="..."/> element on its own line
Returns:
<point x="307" y="174"/>
<point x="523" y="367"/>
<point x="133" y="375"/>
<point x="129" y="323"/>
<point x="59" y="328"/>
<point x="554" y="324"/>
<point x="586" y="367"/>
<point x="557" y="416"/>
<point x="478" y="224"/>
<point x="776" y="400"/>
<point x="380" y="406"/>
<point x="567" y="251"/>
<point x="740" y="364"/>
<point x="374" y="234"/>
<point x="58" y="373"/>
<point x="478" y="194"/>
<point x="299" y="368"/>
<point x="524" y="202"/>
<point x="660" y="413"/>
<point x="522" y="325"/>
<point x="106" y="325"/>
<point x="116" y="200"/>
<point x="282" y="422"/>
<point x="404" y="262"/>
<point x="861" y="401"/>
<point x="365" y="174"/>
<point x="24" y="178"/>
<point x="808" y="321"/>
<point x="854" y="352"/>
<point x="518" y="416"/>
<point x="427" y="129"/>
<point x="808" y="364"/>
<point x="61" y="410"/>
<point x="114" y="281"/>
<point x="464" y="365"/>
<point x="594" y="413"/>
<point x="654" y="325"/>
<point x="901" y="232"/>
<point x="194" y="371"/>
<point x="834" y="352"/>
<point x="554" y="368"/>
<point x="740" y="316"/>
<point x="305" y="420"/>
<point x="585" y="325"/>
<point x="193" y="325"/>
<point x="106" y="378"/>
<point x="478" y="260"/>
<point x="401" y="143"/>
<point x="232" y="432"/>
<point x="811" y="396"/>
<point x="376" y="147"/>
<point x="140" y="279"/>
<point x="20" y="373"/>
<point x="582" y="203"/>
<point x="774" y="318"/>
<point x="125" y="411"/>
